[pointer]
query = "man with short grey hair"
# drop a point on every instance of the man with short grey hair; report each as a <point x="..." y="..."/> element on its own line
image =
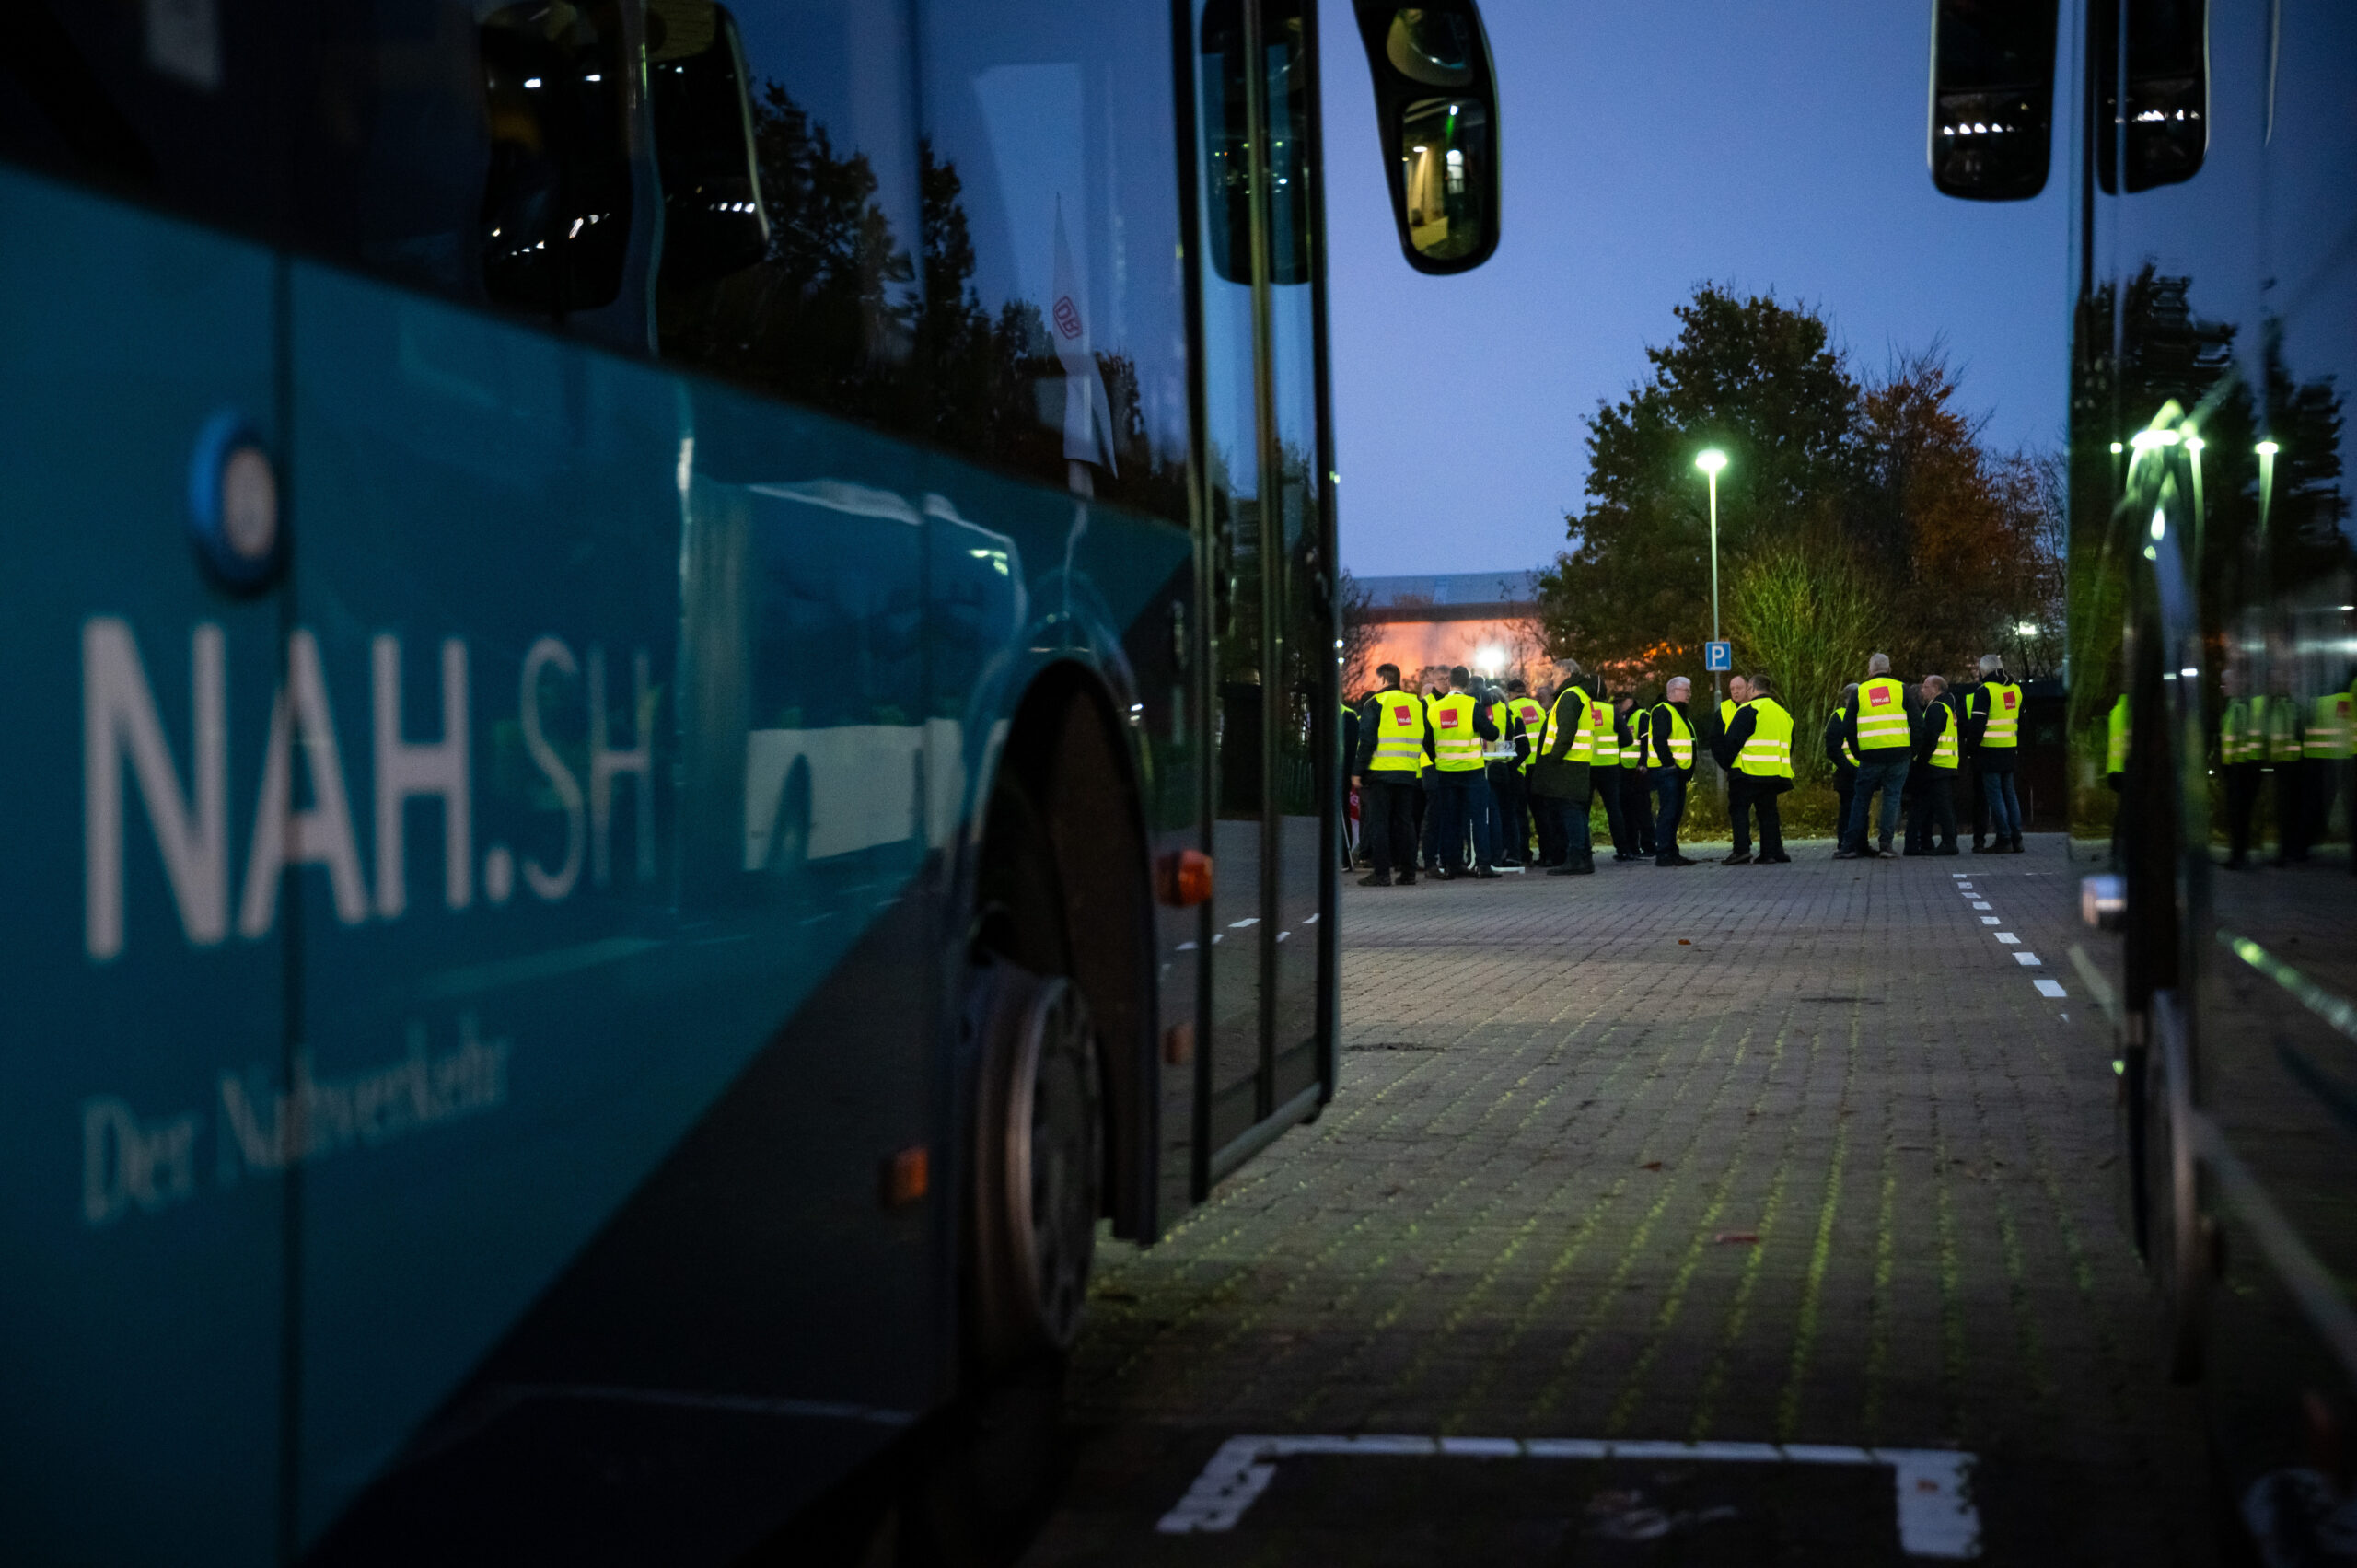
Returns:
<point x="1875" y="726"/>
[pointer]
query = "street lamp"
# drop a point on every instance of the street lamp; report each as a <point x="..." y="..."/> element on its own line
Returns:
<point x="1710" y="461"/>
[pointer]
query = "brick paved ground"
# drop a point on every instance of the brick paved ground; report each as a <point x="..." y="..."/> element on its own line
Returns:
<point x="1567" y="1105"/>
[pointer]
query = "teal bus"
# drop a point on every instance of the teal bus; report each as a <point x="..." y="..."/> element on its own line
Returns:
<point x="676" y="667"/>
<point x="2208" y="158"/>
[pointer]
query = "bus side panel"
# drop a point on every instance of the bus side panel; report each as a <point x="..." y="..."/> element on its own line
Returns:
<point x="582" y="1208"/>
<point x="140" y="1319"/>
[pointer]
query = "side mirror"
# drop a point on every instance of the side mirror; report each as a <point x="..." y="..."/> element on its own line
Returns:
<point x="714" y="223"/>
<point x="1436" y="113"/>
<point x="1993" y="98"/>
<point x="2164" y="130"/>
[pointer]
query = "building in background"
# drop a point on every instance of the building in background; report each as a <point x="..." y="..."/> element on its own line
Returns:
<point x="1486" y="620"/>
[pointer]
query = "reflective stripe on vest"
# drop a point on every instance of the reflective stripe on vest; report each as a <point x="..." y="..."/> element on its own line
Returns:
<point x="1592" y="741"/>
<point x="1457" y="747"/>
<point x="1769" y="752"/>
<point x="1681" y="734"/>
<point x="1882" y="714"/>
<point x="1948" y="749"/>
<point x="1634" y="754"/>
<point x="2283" y="729"/>
<point x="1399" y="733"/>
<point x="2004" y="715"/>
<point x="2328" y="735"/>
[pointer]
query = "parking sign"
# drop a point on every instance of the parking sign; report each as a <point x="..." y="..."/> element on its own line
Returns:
<point x="1718" y="656"/>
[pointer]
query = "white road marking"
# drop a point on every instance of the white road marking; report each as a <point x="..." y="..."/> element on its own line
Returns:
<point x="1961" y="876"/>
<point x="1241" y="924"/>
<point x="1936" y="1518"/>
<point x="2008" y="939"/>
<point x="2024" y="960"/>
<point x="1980" y="905"/>
<point x="1988" y="920"/>
<point x="2051" y="988"/>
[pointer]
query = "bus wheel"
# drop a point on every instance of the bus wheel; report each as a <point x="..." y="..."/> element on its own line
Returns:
<point x="1039" y="1156"/>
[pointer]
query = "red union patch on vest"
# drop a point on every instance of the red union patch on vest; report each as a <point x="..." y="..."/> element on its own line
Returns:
<point x="2012" y="697"/>
<point x="1880" y="697"/>
<point x="1448" y="718"/>
<point x="1403" y="715"/>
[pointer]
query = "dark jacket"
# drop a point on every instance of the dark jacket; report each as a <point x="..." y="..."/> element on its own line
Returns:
<point x="1836" y="734"/>
<point x="1552" y="774"/>
<point x="1481" y="726"/>
<point x="1657" y="741"/>
<point x="1930" y="724"/>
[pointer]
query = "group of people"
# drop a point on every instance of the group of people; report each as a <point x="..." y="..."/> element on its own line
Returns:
<point x="1461" y="780"/>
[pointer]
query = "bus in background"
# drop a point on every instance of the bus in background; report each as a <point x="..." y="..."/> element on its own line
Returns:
<point x="639" y="628"/>
<point x="2210" y="157"/>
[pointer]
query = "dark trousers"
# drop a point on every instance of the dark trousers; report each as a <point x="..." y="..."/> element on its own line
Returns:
<point x="1547" y="822"/>
<point x="1571" y="809"/>
<point x="1616" y="821"/>
<point x="1979" y="788"/>
<point x="2291" y="817"/>
<point x="1845" y="788"/>
<point x="1387" y="821"/>
<point x="1747" y="795"/>
<point x="2319" y="781"/>
<point x="1512" y="792"/>
<point x="2243" y="780"/>
<point x="1881" y="771"/>
<point x="1669" y="794"/>
<point x="1934" y="809"/>
<point x="1637" y="805"/>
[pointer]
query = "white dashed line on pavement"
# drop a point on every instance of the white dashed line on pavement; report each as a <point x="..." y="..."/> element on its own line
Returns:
<point x="2026" y="960"/>
<point x="2051" y="988"/>
<point x="1980" y="905"/>
<point x="1988" y="920"/>
<point x="2008" y="939"/>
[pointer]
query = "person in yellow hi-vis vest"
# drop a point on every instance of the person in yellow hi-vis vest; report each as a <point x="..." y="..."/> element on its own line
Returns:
<point x="1511" y="783"/>
<point x="1992" y="730"/>
<point x="1671" y="741"/>
<point x="1939" y="746"/>
<point x="1390" y="767"/>
<point x="1757" y="751"/>
<point x="1454" y="736"/>
<point x="1878" y="729"/>
<point x="2242" y="755"/>
<point x="1562" y="784"/>
<point x="2323" y="758"/>
<point x="2286" y="732"/>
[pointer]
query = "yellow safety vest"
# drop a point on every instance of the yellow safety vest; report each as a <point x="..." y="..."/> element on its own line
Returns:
<point x="1882" y="714"/>
<point x="2115" y="740"/>
<point x="1769" y="752"/>
<point x="1502" y="749"/>
<point x="2004" y="716"/>
<point x="2328" y="736"/>
<point x="2283" y="728"/>
<point x="1591" y="742"/>
<point x="2240" y="740"/>
<point x="1399" y="733"/>
<point x="1726" y="713"/>
<point x="1948" y="749"/>
<point x="1634" y="754"/>
<point x="1533" y="715"/>
<point x="1457" y="747"/>
<point x="1681" y="734"/>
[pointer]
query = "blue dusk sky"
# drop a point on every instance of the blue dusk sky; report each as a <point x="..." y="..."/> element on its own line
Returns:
<point x="1648" y="148"/>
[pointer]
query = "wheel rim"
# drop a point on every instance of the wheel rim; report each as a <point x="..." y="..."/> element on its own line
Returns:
<point x="1053" y="1152"/>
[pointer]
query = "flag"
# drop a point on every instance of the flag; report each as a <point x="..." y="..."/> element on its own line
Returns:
<point x="1088" y="413"/>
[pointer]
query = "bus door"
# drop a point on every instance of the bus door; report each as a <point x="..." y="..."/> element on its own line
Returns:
<point x="140" y="1324"/>
<point x="1265" y="466"/>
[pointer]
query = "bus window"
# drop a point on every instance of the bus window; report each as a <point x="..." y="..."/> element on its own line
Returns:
<point x="1054" y="333"/>
<point x="556" y="203"/>
<point x="1993" y="99"/>
<point x="826" y="313"/>
<point x="2164" y="129"/>
<point x="714" y="223"/>
<point x="1227" y="134"/>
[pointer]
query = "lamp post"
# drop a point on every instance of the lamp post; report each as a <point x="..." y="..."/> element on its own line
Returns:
<point x="1710" y="461"/>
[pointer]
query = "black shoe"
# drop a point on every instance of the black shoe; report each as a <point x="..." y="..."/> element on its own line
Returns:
<point x="2237" y="863"/>
<point x="1945" y="849"/>
<point x="1406" y="879"/>
<point x="1571" y="869"/>
<point x="1980" y="848"/>
<point x="1379" y="880"/>
<point x="1674" y="862"/>
<point x="1779" y="858"/>
<point x="1846" y="855"/>
<point x="1912" y="850"/>
<point x="2019" y="850"/>
<point x="1485" y="872"/>
<point x="1743" y="859"/>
